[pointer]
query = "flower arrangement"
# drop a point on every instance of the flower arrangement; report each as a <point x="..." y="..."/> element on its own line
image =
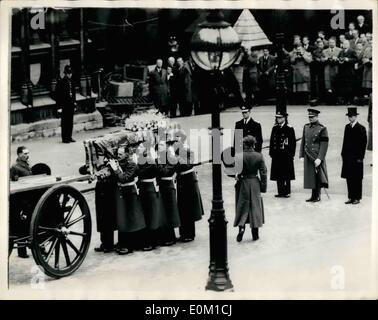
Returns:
<point x="148" y="123"/>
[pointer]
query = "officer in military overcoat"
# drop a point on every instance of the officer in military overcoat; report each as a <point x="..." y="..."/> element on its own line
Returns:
<point x="314" y="146"/>
<point x="249" y="127"/>
<point x="282" y="151"/>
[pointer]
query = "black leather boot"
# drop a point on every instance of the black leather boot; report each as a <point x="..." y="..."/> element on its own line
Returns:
<point x="239" y="238"/>
<point x="255" y="234"/>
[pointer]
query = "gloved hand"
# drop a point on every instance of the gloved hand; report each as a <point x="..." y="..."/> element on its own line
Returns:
<point x="317" y="162"/>
<point x="113" y="164"/>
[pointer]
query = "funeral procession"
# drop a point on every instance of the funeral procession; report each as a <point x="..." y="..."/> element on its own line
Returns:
<point x="171" y="150"/>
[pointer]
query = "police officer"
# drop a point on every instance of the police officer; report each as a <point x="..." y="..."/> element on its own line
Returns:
<point x="66" y="99"/>
<point x="353" y="153"/>
<point x="249" y="127"/>
<point x="313" y="149"/>
<point x="282" y="151"/>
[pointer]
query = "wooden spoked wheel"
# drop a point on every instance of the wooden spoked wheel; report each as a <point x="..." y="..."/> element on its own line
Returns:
<point x="61" y="231"/>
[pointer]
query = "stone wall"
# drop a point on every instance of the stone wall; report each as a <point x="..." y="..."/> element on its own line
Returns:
<point x="51" y="127"/>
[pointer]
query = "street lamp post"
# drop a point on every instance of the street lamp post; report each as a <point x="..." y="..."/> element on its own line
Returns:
<point x="215" y="46"/>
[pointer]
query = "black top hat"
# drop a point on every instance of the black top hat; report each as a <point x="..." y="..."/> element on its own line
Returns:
<point x="313" y="112"/>
<point x="352" y="112"/>
<point x="280" y="114"/>
<point x="245" y="108"/>
<point x="67" y="69"/>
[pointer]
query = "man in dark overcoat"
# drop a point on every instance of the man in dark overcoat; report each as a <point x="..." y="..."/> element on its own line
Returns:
<point x="66" y="100"/>
<point x="331" y="67"/>
<point x="251" y="182"/>
<point x="314" y="146"/>
<point x="317" y="72"/>
<point x="353" y="153"/>
<point x="282" y="151"/>
<point x="266" y="67"/>
<point x="158" y="86"/>
<point x="347" y="74"/>
<point x="184" y="88"/>
<point x="249" y="127"/>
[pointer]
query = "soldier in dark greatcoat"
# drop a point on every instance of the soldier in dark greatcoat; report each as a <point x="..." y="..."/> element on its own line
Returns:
<point x="314" y="146"/>
<point x="66" y="99"/>
<point x="248" y="189"/>
<point x="130" y="218"/>
<point x="282" y="151"/>
<point x="105" y="201"/>
<point x="189" y="198"/>
<point x="150" y="197"/>
<point x="353" y="153"/>
<point x="167" y="164"/>
<point x="250" y="128"/>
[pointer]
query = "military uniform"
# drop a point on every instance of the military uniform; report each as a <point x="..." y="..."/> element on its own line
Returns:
<point x="167" y="168"/>
<point x="282" y="151"/>
<point x="66" y="99"/>
<point x="314" y="146"/>
<point x="105" y="200"/>
<point x="129" y="213"/>
<point x="152" y="204"/>
<point x="251" y="182"/>
<point x="250" y="128"/>
<point x="188" y="197"/>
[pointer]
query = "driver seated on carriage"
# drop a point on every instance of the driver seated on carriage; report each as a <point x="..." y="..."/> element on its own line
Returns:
<point x="21" y="206"/>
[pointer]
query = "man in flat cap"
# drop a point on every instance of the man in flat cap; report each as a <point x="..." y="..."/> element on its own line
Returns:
<point x="66" y="99"/>
<point x="313" y="149"/>
<point x="282" y="151"/>
<point x="353" y="153"/>
<point x="250" y="128"/>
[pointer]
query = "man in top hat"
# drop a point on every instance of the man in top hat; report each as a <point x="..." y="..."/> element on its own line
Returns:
<point x="282" y="151"/>
<point x="66" y="99"/>
<point x="313" y="149"/>
<point x="250" y="128"/>
<point x="353" y="153"/>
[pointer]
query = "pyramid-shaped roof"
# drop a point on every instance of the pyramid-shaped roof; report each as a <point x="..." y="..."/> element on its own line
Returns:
<point x="249" y="31"/>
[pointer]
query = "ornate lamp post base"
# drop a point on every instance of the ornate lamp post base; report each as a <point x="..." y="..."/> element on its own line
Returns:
<point x="219" y="279"/>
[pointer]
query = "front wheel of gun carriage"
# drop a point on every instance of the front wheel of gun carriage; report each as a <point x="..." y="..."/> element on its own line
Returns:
<point x="61" y="231"/>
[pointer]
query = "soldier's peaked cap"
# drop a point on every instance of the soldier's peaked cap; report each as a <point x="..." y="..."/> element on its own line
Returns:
<point x="313" y="112"/>
<point x="245" y="109"/>
<point x="281" y="114"/>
